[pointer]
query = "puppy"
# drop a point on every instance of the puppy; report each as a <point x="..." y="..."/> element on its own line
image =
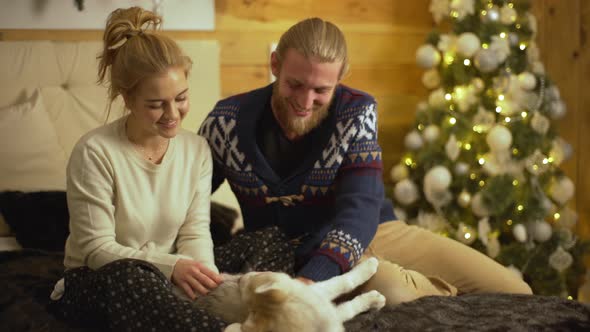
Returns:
<point x="274" y="302"/>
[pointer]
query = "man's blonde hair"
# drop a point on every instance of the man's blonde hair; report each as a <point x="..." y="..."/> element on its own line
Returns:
<point x="133" y="50"/>
<point x="314" y="37"/>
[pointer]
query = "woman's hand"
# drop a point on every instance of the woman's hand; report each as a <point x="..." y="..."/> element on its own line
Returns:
<point x="193" y="276"/>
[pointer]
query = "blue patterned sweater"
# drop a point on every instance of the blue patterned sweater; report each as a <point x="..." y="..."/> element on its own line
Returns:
<point x="331" y="205"/>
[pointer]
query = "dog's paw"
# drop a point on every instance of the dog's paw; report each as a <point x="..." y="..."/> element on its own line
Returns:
<point x="376" y="299"/>
<point x="370" y="265"/>
<point x="235" y="327"/>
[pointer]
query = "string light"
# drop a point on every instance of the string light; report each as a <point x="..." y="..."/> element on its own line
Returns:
<point x="522" y="47"/>
<point x="467" y="62"/>
<point x="408" y="161"/>
<point x="515" y="183"/>
<point x="503" y="35"/>
<point x="498" y="109"/>
<point x="545" y="161"/>
<point x="449" y="58"/>
<point x="472" y="176"/>
<point x="520" y="208"/>
<point x="481" y="161"/>
<point x="510" y="5"/>
<point x="515" y="151"/>
<point x="455" y="14"/>
<point x="484" y="12"/>
<point x="501" y="97"/>
<point x="467" y="146"/>
<point x="485" y="46"/>
<point x="420" y="127"/>
<point x="556" y="216"/>
<point x="452" y="121"/>
<point x="482" y="183"/>
<point x="448" y="96"/>
<point x="507" y="119"/>
<point x="524" y="115"/>
<point x="478" y="129"/>
<point x="518" y="26"/>
<point x="509" y="222"/>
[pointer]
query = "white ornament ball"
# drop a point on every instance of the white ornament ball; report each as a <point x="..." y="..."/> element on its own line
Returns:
<point x="478" y="84"/>
<point x="437" y="178"/>
<point x="406" y="192"/>
<point x="562" y="190"/>
<point x="427" y="56"/>
<point x="413" y="140"/>
<point x="560" y="259"/>
<point x="464" y="199"/>
<point x="494" y="14"/>
<point x="478" y="207"/>
<point x="436" y="99"/>
<point x="468" y="44"/>
<point x="527" y="81"/>
<point x="486" y="60"/>
<point x="519" y="232"/>
<point x="422" y="107"/>
<point x="515" y="271"/>
<point x="499" y="138"/>
<point x="557" y="110"/>
<point x="431" y="133"/>
<point x="542" y="231"/>
<point x="461" y="168"/>
<point x="431" y="79"/>
<point x="399" y="172"/>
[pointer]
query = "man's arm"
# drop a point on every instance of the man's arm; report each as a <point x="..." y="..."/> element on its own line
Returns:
<point x="359" y="194"/>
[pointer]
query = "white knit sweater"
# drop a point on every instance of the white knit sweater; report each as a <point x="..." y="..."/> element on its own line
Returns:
<point x="122" y="206"/>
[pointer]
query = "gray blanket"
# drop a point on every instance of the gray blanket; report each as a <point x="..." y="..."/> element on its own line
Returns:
<point x="27" y="278"/>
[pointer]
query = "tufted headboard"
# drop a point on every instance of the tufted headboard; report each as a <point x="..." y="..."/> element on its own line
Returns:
<point x="49" y="98"/>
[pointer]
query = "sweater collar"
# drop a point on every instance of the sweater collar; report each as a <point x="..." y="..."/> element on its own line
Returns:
<point x="250" y="112"/>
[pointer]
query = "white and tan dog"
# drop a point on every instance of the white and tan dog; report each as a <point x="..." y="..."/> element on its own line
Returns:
<point x="274" y="302"/>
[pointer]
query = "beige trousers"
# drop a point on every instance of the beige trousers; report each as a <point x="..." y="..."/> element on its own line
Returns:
<point x="414" y="262"/>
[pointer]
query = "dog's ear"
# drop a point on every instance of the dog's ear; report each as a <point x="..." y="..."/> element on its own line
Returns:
<point x="270" y="292"/>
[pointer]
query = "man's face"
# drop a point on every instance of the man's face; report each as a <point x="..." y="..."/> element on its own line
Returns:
<point x="302" y="92"/>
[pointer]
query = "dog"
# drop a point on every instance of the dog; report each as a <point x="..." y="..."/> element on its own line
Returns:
<point x="275" y="302"/>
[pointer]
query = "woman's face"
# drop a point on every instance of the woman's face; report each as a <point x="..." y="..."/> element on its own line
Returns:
<point x="159" y="103"/>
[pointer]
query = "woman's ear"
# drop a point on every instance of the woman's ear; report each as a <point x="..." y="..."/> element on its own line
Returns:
<point x="127" y="100"/>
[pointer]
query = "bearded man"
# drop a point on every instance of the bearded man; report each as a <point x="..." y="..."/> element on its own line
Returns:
<point x="302" y="154"/>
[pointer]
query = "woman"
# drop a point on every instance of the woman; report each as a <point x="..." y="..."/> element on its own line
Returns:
<point x="138" y="193"/>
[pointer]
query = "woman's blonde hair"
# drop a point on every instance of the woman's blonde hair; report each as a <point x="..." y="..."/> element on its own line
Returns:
<point x="133" y="50"/>
<point x="314" y="37"/>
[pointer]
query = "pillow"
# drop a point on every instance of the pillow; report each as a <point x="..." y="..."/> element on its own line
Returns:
<point x="38" y="219"/>
<point x="32" y="159"/>
<point x="4" y="228"/>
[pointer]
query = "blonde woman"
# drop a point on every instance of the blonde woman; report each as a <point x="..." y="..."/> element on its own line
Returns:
<point x="138" y="192"/>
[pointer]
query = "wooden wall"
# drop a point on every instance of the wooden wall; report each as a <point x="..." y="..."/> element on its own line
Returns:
<point x="383" y="36"/>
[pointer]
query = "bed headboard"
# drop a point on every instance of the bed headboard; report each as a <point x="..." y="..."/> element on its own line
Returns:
<point x="49" y="98"/>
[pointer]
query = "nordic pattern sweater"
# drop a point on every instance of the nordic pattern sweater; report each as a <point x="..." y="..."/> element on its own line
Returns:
<point x="331" y="205"/>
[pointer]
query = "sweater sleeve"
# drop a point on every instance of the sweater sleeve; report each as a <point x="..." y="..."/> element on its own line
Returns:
<point x="359" y="193"/>
<point x="194" y="237"/>
<point x="90" y="193"/>
<point x="206" y="130"/>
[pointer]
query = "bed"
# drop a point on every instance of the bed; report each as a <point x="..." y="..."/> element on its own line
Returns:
<point x="48" y="98"/>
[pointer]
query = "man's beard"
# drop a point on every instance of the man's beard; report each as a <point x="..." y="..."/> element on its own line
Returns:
<point x="292" y="124"/>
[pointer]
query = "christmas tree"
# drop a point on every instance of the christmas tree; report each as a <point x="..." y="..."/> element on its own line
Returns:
<point x="483" y="156"/>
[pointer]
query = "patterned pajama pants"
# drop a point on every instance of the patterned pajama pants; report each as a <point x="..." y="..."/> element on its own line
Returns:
<point x="133" y="295"/>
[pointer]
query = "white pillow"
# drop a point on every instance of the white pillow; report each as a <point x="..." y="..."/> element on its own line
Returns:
<point x="31" y="158"/>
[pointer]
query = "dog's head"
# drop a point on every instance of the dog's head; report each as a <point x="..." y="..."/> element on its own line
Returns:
<point x="278" y="303"/>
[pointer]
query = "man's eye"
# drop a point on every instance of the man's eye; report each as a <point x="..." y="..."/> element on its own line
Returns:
<point x="154" y="106"/>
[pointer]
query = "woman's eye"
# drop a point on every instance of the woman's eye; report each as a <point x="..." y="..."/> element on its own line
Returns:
<point x="179" y="99"/>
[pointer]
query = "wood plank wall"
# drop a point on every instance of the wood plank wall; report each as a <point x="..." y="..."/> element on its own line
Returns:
<point x="383" y="36"/>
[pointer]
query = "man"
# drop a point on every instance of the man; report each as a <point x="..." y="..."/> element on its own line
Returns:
<point x="302" y="154"/>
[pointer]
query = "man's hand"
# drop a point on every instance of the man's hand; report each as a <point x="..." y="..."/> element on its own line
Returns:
<point x="305" y="280"/>
<point x="193" y="276"/>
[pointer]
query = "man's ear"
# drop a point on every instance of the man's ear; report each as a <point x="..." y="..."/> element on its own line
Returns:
<point x="275" y="64"/>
